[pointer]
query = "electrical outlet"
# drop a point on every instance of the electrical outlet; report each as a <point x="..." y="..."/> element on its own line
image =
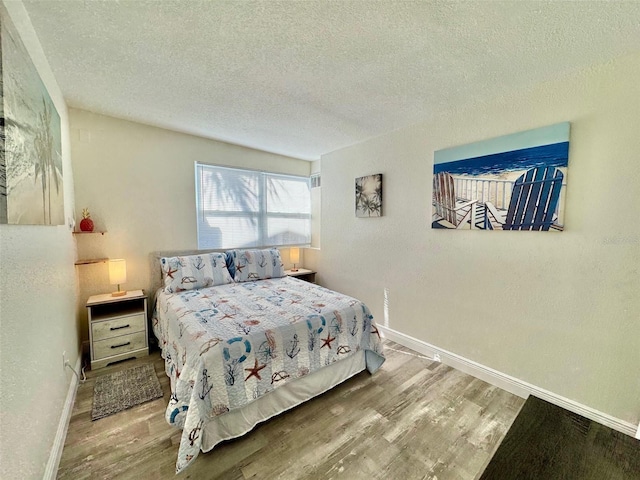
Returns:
<point x="64" y="358"/>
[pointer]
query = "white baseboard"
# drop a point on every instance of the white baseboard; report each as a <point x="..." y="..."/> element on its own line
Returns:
<point x="638" y="433"/>
<point x="51" y="471"/>
<point x="507" y="382"/>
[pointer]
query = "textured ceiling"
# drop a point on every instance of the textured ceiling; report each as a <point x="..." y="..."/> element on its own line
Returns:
<point x="304" y="78"/>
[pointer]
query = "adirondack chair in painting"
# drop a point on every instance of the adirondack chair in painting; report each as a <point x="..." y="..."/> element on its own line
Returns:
<point x="533" y="202"/>
<point x="457" y="214"/>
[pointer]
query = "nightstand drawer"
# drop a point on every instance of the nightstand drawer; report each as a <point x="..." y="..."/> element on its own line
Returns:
<point x="117" y="326"/>
<point x="118" y="345"/>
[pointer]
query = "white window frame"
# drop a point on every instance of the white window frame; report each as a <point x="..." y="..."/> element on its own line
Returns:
<point x="262" y="215"/>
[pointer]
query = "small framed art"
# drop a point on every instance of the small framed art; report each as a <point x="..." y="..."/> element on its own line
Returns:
<point x="369" y="196"/>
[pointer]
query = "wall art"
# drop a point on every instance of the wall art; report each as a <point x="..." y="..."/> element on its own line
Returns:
<point x="369" y="196"/>
<point x="514" y="182"/>
<point x="31" y="182"/>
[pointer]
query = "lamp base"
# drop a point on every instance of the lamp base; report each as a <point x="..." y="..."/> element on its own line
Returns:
<point x="119" y="293"/>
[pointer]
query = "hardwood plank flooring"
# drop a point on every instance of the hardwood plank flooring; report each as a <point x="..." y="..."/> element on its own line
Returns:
<point x="413" y="419"/>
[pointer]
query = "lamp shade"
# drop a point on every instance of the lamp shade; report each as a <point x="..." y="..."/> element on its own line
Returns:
<point x="117" y="271"/>
<point x="294" y="255"/>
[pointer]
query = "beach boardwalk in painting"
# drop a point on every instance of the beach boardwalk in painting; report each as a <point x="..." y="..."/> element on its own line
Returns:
<point x="514" y="182"/>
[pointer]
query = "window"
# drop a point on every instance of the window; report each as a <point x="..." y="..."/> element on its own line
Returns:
<point x="245" y="208"/>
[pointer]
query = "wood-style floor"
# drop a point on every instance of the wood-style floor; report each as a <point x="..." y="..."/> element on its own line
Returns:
<point x="413" y="419"/>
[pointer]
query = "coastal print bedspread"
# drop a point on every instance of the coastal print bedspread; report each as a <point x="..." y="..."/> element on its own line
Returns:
<point x="226" y="346"/>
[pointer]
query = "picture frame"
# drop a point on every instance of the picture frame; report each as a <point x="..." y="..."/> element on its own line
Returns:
<point x="31" y="173"/>
<point x="513" y="182"/>
<point x="369" y="196"/>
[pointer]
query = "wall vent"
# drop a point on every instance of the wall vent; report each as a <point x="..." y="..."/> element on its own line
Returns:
<point x="315" y="180"/>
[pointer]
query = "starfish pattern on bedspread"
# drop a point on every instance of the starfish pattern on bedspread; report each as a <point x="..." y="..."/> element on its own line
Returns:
<point x="206" y="360"/>
<point x="327" y="341"/>
<point x="255" y="370"/>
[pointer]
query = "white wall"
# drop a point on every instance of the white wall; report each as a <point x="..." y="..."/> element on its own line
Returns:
<point x="316" y="208"/>
<point x="37" y="312"/>
<point x="138" y="182"/>
<point x="558" y="310"/>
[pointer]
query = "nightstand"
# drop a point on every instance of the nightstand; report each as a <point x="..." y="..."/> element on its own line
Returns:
<point x="303" y="274"/>
<point x="117" y="327"/>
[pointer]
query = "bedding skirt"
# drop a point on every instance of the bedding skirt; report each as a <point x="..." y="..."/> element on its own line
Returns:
<point x="238" y="422"/>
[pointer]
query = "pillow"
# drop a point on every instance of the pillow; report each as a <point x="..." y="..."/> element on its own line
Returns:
<point x="194" y="271"/>
<point x="231" y="266"/>
<point x="257" y="264"/>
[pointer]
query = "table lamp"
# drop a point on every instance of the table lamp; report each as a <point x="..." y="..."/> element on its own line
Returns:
<point x="294" y="256"/>
<point x="118" y="275"/>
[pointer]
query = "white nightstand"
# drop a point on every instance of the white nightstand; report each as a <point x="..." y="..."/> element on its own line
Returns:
<point x="117" y="327"/>
<point x="302" y="274"/>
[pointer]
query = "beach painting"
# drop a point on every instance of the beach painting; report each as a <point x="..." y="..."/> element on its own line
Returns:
<point x="369" y="196"/>
<point x="514" y="182"/>
<point x="31" y="183"/>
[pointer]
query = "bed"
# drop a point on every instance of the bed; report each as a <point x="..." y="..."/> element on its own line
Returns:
<point x="242" y="342"/>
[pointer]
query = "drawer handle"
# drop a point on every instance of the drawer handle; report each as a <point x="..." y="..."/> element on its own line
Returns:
<point x="121" y="345"/>
<point x="118" y="328"/>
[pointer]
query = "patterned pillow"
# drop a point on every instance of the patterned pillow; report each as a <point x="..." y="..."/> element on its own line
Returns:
<point x="194" y="271"/>
<point x="231" y="266"/>
<point x="257" y="264"/>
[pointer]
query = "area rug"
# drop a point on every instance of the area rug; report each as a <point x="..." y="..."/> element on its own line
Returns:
<point x="124" y="389"/>
<point x="547" y="442"/>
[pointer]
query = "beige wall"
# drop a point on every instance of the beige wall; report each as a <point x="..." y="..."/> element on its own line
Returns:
<point x="312" y="254"/>
<point x="560" y="311"/>
<point x="37" y="314"/>
<point x="316" y="208"/>
<point x="138" y="182"/>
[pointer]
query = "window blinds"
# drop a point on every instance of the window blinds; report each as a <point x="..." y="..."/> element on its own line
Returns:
<point x="248" y="209"/>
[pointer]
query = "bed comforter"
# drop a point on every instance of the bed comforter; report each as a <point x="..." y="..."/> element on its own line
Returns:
<point x="228" y="345"/>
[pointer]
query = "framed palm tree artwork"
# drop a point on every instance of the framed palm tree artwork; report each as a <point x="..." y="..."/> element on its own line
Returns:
<point x="369" y="196"/>
<point x="31" y="189"/>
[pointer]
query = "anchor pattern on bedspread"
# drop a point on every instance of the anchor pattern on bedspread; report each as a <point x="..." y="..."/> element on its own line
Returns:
<point x="227" y="346"/>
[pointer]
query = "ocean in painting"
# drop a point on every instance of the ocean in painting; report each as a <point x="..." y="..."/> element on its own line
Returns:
<point x="553" y="155"/>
